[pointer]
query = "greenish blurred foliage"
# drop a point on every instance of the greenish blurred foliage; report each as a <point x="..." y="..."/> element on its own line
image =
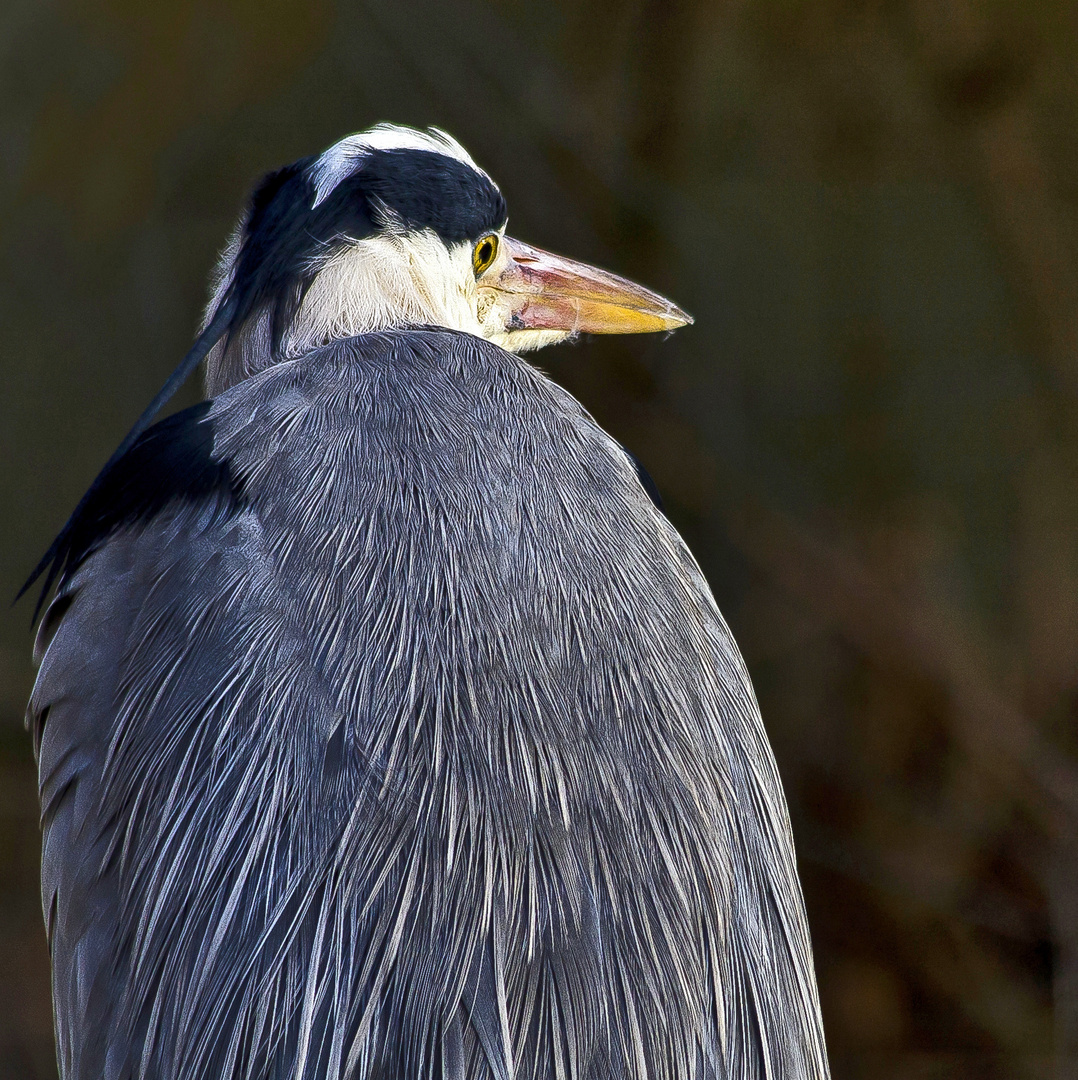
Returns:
<point x="870" y="436"/>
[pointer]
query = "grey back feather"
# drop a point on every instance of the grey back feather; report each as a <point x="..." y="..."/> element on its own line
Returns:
<point x="432" y="759"/>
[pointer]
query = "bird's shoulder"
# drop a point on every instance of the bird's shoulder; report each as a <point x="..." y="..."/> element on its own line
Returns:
<point x="435" y="404"/>
<point x="173" y="462"/>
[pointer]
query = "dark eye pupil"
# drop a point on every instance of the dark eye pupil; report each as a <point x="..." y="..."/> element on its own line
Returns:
<point x="484" y="252"/>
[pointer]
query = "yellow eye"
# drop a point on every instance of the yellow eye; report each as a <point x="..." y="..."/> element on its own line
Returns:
<point x="484" y="253"/>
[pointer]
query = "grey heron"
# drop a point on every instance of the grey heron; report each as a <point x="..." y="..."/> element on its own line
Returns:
<point x="386" y="728"/>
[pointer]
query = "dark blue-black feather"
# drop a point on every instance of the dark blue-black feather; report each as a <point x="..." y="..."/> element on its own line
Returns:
<point x="172" y="460"/>
<point x="426" y="190"/>
<point x="54" y="560"/>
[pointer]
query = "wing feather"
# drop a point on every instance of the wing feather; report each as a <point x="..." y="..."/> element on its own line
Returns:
<point x="398" y="736"/>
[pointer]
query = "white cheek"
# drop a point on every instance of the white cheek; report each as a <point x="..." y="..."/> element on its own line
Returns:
<point x="386" y="281"/>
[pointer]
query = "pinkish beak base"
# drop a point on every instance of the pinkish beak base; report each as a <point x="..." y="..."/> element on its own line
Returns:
<point x="543" y="291"/>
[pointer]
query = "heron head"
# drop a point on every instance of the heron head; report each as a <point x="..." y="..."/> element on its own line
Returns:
<point x="395" y="227"/>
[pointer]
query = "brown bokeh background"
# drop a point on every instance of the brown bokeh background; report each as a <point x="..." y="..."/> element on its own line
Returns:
<point x="870" y="436"/>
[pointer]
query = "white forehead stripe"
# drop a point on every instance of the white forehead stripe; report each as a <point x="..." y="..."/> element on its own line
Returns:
<point x="341" y="159"/>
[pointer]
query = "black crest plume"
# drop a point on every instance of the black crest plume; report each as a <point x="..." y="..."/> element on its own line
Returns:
<point x="57" y="558"/>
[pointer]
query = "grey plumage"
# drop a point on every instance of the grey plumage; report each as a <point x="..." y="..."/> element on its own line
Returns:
<point x="418" y="748"/>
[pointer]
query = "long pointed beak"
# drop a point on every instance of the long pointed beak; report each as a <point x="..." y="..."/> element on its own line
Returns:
<point x="541" y="291"/>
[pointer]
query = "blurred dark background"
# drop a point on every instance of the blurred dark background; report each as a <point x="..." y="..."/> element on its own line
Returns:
<point x="869" y="438"/>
